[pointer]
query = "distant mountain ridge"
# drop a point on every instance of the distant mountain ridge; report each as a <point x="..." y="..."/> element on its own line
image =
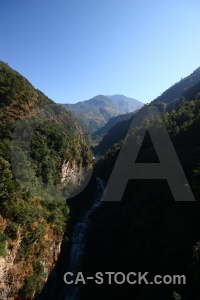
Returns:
<point x="94" y="113"/>
<point x="187" y="88"/>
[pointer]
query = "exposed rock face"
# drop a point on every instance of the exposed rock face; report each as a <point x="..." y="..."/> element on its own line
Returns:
<point x="70" y="172"/>
<point x="13" y="273"/>
<point x="8" y="269"/>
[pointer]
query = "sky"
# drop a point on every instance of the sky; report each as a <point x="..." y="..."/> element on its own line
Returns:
<point x="73" y="50"/>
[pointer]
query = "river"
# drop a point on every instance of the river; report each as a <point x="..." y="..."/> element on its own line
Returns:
<point x="78" y="242"/>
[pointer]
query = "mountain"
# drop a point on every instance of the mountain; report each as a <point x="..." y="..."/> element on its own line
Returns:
<point x="95" y="113"/>
<point x="170" y="99"/>
<point x="43" y="150"/>
<point x="148" y="231"/>
<point x="125" y="104"/>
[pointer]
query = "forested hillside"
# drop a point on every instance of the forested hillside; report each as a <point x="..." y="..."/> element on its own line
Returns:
<point x="177" y="90"/>
<point x="43" y="150"/>
<point x="113" y="136"/>
<point x="148" y="231"/>
<point x="186" y="89"/>
<point x="102" y="131"/>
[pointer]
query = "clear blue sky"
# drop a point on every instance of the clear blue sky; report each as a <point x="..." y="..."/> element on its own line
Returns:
<point x="73" y="50"/>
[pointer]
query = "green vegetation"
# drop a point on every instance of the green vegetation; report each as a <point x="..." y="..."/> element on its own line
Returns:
<point x="116" y="134"/>
<point x="33" y="283"/>
<point x="147" y="230"/>
<point x="101" y="132"/>
<point x="3" y="239"/>
<point x="36" y="138"/>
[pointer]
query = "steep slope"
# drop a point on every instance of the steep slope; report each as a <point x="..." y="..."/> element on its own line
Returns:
<point x="101" y="132"/>
<point x="148" y="231"/>
<point x="41" y="146"/>
<point x="176" y="91"/>
<point x="192" y="92"/>
<point x="95" y="113"/>
<point x="116" y="134"/>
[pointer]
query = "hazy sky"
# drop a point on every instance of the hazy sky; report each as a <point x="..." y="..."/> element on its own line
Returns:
<point x="73" y="50"/>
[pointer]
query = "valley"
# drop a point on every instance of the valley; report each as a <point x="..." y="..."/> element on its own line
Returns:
<point x="45" y="233"/>
<point x="96" y="112"/>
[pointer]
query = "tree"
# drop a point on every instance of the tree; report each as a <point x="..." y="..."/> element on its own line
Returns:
<point x="6" y="183"/>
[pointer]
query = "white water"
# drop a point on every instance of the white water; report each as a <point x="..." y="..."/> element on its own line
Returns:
<point x="78" y="241"/>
